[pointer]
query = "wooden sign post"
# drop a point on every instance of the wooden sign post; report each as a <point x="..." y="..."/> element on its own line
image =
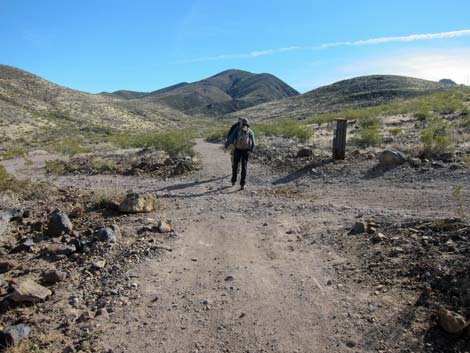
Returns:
<point x="339" y="141"/>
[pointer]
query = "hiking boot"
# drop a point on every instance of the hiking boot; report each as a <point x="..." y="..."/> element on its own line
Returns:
<point x="233" y="183"/>
<point x="242" y="187"/>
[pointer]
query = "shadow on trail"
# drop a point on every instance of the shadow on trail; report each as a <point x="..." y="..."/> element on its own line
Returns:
<point x="189" y="185"/>
<point x="301" y="172"/>
<point x="191" y="196"/>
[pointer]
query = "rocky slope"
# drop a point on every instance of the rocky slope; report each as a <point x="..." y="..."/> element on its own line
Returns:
<point x="352" y="93"/>
<point x="31" y="106"/>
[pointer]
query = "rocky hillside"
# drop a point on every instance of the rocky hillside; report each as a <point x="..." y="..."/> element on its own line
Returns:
<point x="31" y="106"/>
<point x="352" y="93"/>
<point x="220" y="94"/>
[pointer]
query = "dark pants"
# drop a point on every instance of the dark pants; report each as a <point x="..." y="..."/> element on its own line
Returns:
<point x="239" y="155"/>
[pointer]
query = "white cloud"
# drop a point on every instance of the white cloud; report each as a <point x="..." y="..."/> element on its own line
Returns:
<point x="431" y="65"/>
<point x="361" y="42"/>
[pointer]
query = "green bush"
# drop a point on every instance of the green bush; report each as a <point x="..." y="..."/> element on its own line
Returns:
<point x="284" y="128"/>
<point x="395" y="131"/>
<point x="217" y="135"/>
<point x="70" y="147"/>
<point x="437" y="137"/>
<point x="13" y="152"/>
<point x="103" y="165"/>
<point x="369" y="132"/>
<point x="175" y="143"/>
<point x="55" y="166"/>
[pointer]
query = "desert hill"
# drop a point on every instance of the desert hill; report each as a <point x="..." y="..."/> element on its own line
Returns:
<point x="352" y="93"/>
<point x="31" y="105"/>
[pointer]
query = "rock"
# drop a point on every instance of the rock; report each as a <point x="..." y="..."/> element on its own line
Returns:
<point x="7" y="265"/>
<point x="371" y="230"/>
<point x="77" y="211"/>
<point x="29" y="291"/>
<point x="136" y="203"/>
<point x="99" y="264"/>
<point x="26" y="246"/>
<point x="395" y="251"/>
<point x="358" y="228"/>
<point x="59" y="223"/>
<point x="379" y="237"/>
<point x="13" y="335"/>
<point x="53" y="276"/>
<point x="451" y="322"/>
<point x="390" y="159"/>
<point x="109" y="234"/>
<point x="229" y="278"/>
<point x="59" y="249"/>
<point x="304" y="152"/>
<point x="3" y="283"/>
<point x="165" y="226"/>
<point x="371" y="156"/>
<point x="10" y="214"/>
<point x="102" y="313"/>
<point x="416" y="162"/>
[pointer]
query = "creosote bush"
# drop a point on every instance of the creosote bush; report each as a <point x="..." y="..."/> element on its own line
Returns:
<point x="437" y="137"/>
<point x="369" y="132"/>
<point x="175" y="143"/>
<point x="284" y="128"/>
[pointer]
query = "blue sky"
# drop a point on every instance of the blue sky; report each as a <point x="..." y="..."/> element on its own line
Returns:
<point x="105" y="45"/>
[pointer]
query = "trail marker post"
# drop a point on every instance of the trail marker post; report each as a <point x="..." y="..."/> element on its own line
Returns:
<point x="339" y="140"/>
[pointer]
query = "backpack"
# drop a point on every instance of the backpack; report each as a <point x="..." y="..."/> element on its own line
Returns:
<point x="243" y="141"/>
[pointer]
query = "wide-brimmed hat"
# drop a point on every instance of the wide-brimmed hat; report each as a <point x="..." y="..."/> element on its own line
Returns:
<point x="245" y="121"/>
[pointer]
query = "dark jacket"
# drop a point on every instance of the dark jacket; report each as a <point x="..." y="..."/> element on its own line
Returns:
<point x="233" y="136"/>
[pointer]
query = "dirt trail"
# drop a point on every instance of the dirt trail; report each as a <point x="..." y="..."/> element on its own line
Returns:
<point x="240" y="277"/>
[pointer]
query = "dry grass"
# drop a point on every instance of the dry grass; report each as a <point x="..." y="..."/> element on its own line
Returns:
<point x="23" y="347"/>
<point x="105" y="196"/>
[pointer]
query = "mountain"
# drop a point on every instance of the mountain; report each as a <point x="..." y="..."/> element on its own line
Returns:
<point x="352" y="93"/>
<point x="34" y="108"/>
<point x="223" y="93"/>
<point x="448" y="82"/>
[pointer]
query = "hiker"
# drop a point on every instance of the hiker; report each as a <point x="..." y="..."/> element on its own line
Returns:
<point x="232" y="147"/>
<point x="243" y="139"/>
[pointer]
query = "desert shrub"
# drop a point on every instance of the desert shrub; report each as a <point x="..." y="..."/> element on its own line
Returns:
<point x="395" y="131"/>
<point x="437" y="137"/>
<point x="70" y="147"/>
<point x="369" y="132"/>
<point x="24" y="189"/>
<point x="175" y="143"/>
<point x="284" y="128"/>
<point x="103" y="165"/>
<point x="55" y="166"/>
<point x="103" y="197"/>
<point x="459" y="202"/>
<point x="217" y="135"/>
<point x="13" y="152"/>
<point x="466" y="160"/>
<point x="422" y="115"/>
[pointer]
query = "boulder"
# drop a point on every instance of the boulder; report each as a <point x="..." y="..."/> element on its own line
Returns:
<point x="59" y="223"/>
<point x="137" y="203"/>
<point x="29" y="291"/>
<point x="164" y="227"/>
<point x="390" y="159"/>
<point x="451" y="322"/>
<point x="109" y="234"/>
<point x="53" y="276"/>
<point x="304" y="152"/>
<point x="13" y="335"/>
<point x="358" y="228"/>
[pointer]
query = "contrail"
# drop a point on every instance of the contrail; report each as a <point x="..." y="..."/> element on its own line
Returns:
<point x="360" y="42"/>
